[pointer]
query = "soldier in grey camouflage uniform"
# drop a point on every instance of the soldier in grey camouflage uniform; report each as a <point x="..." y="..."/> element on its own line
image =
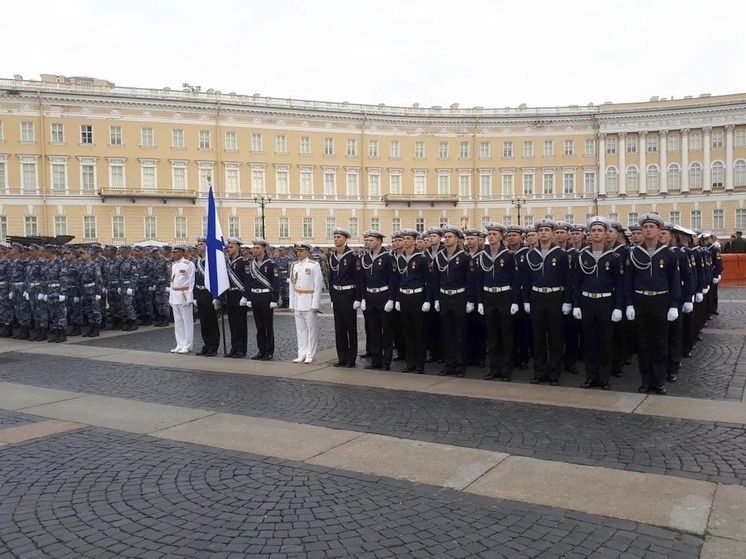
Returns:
<point x="162" y="281"/>
<point x="6" y="301"/>
<point x="21" y="303"/>
<point x="128" y="279"/>
<point x="34" y="293"/>
<point x="91" y="287"/>
<point x="72" y="301"/>
<point x="145" y="287"/>
<point x="55" y="293"/>
<point x="113" y="288"/>
<point x="283" y="262"/>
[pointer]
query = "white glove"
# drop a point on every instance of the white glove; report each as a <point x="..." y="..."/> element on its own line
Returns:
<point x="363" y="306"/>
<point x="616" y="315"/>
<point x="527" y="308"/>
<point x="186" y="304"/>
<point x="25" y="295"/>
<point x="243" y="302"/>
<point x="10" y="295"/>
<point x="425" y="306"/>
<point x="103" y="290"/>
<point x="45" y="297"/>
<point x="397" y="306"/>
<point x="216" y="304"/>
<point x="168" y="289"/>
<point x="716" y="280"/>
<point x="630" y="312"/>
<point x="469" y="308"/>
<point x="273" y="305"/>
<point x="40" y="297"/>
<point x="389" y="306"/>
<point x="566" y="308"/>
<point x="356" y="305"/>
<point x="687" y="308"/>
<point x="98" y="297"/>
<point x="706" y="290"/>
<point x="151" y="288"/>
<point x="673" y="314"/>
<point x="480" y="309"/>
<point x="62" y="298"/>
<point x="577" y="313"/>
<point x="698" y="297"/>
<point x="129" y="291"/>
<point x="437" y="306"/>
<point x="513" y="308"/>
<point x="76" y="299"/>
<point x="119" y="290"/>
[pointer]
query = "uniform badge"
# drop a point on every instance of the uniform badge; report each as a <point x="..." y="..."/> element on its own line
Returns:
<point x="457" y="259"/>
<point x="661" y="263"/>
<point x="606" y="265"/>
<point x="502" y="262"/>
<point x="554" y="261"/>
<point x="307" y="271"/>
<point x="344" y="262"/>
<point x="276" y="273"/>
<point x="414" y="264"/>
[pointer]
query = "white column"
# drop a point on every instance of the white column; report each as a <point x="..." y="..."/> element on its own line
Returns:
<point x="622" y="178"/>
<point x="729" y="157"/>
<point x="684" y="160"/>
<point x="643" y="174"/>
<point x="706" y="178"/>
<point x="663" y="175"/>
<point x="602" y="164"/>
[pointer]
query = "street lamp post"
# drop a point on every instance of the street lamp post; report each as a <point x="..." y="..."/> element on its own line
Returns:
<point x="519" y="203"/>
<point x="263" y="200"/>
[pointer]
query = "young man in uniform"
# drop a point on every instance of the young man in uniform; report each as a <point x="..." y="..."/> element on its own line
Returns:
<point x="181" y="298"/>
<point x="346" y="291"/>
<point x="263" y="291"/>
<point x="306" y="284"/>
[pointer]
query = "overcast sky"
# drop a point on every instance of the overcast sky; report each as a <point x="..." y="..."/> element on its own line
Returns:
<point x="434" y="52"/>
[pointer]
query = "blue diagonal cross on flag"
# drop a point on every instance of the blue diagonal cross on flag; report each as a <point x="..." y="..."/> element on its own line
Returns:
<point x="216" y="269"/>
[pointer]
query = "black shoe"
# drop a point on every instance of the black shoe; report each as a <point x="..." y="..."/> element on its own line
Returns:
<point x="429" y="360"/>
<point x="460" y="374"/>
<point x="715" y="313"/>
<point x="605" y="386"/>
<point x="418" y="371"/>
<point x="553" y="383"/>
<point x="372" y="367"/>
<point x="52" y="337"/>
<point x="350" y="365"/>
<point x="688" y="355"/>
<point x="409" y="369"/>
<point x="617" y="374"/>
<point x="443" y="373"/>
<point x="661" y="390"/>
<point x="257" y="357"/>
<point x="491" y="376"/>
<point x="210" y="353"/>
<point x="628" y="361"/>
<point x="398" y="358"/>
<point x="572" y="369"/>
<point x="238" y="355"/>
<point x="385" y="367"/>
<point x="506" y="378"/>
<point x="340" y="364"/>
<point x="441" y="360"/>
<point x="42" y="335"/>
<point x="538" y="380"/>
<point x="672" y="377"/>
<point x="61" y="337"/>
<point x="95" y="331"/>
<point x="643" y="389"/>
<point x="266" y="357"/>
<point x="589" y="384"/>
<point x="700" y="338"/>
<point x="523" y="366"/>
<point x="365" y="355"/>
<point x="202" y="351"/>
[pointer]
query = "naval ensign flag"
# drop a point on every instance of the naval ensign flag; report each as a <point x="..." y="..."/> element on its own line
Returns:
<point x="216" y="270"/>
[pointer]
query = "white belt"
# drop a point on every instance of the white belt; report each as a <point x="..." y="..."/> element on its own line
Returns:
<point x="48" y="285"/>
<point x="35" y="284"/>
<point x="256" y="290"/>
<point x="377" y="289"/>
<point x="596" y="295"/>
<point x="650" y="293"/>
<point x="497" y="289"/>
<point x="453" y="291"/>
<point x="411" y="291"/>
<point x="343" y="287"/>
<point x="547" y="289"/>
<point x="89" y="284"/>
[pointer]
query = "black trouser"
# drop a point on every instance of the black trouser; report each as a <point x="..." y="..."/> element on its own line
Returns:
<point x="547" y="321"/>
<point x="523" y="336"/>
<point x="399" y="338"/>
<point x="619" y="347"/>
<point x="572" y="340"/>
<point x="345" y="325"/>
<point x="500" y="335"/>
<point x="452" y="324"/>
<point x="237" y="321"/>
<point x="597" y="337"/>
<point x="413" y="323"/>
<point x="433" y="336"/>
<point x="476" y="339"/>
<point x="380" y="335"/>
<point x="264" y="321"/>
<point x="208" y="320"/>
<point x="689" y="332"/>
<point x="652" y="337"/>
<point x="675" y="344"/>
<point x="712" y="298"/>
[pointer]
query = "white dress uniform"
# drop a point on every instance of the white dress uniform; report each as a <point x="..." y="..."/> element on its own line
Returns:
<point x="181" y="298"/>
<point x="306" y="283"/>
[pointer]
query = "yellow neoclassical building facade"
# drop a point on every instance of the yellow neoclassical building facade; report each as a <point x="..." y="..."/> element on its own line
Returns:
<point x="83" y="157"/>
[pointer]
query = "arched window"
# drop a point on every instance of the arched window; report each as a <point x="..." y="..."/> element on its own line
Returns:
<point x="695" y="175"/>
<point x="717" y="173"/>
<point x="632" y="179"/>
<point x="674" y="176"/>
<point x="652" y="181"/>
<point x="739" y="175"/>
<point x="611" y="179"/>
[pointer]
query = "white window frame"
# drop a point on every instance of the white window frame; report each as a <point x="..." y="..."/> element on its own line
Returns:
<point x="395" y="181"/>
<point x="90" y="228"/>
<point x="205" y="140"/>
<point x="674" y="176"/>
<point x="116" y="136"/>
<point x="57" y="133"/>
<point x="282" y="181"/>
<point x="231" y="141"/>
<point x="547" y="182"/>
<point x="420" y="182"/>
<point x="148" y="170"/>
<point x="374" y="183"/>
<point x="395" y="149"/>
<point x="147" y="137"/>
<point x="258" y="179"/>
<point x="352" y="183"/>
<point x="117" y="174"/>
<point x="233" y="178"/>
<point x="257" y="143"/>
<point x="179" y="171"/>
<point x="118" y="227"/>
<point x="150" y="227"/>
<point x="330" y="183"/>
<point x="177" y="138"/>
<point x="181" y="229"/>
<point x="28" y="133"/>
<point x="29" y="175"/>
<point x="281" y="144"/>
<point x="58" y="175"/>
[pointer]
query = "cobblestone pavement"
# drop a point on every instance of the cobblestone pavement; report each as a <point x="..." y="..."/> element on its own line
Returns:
<point x="14" y="419"/>
<point x="104" y="494"/>
<point x="686" y="448"/>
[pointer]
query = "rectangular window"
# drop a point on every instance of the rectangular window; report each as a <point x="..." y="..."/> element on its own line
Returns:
<point x="718" y="220"/>
<point x="675" y="218"/>
<point x="419" y="224"/>
<point x="419" y="150"/>
<point x="258" y="185"/>
<point x="548" y="148"/>
<point x="395" y="182"/>
<point x="180" y="227"/>
<point x="395" y="223"/>
<point x="610" y="146"/>
<point x="485" y="150"/>
<point x="232" y="185"/>
<point x="205" y="180"/>
<point x="590" y="147"/>
<point x="375" y="223"/>
<point x="673" y="177"/>
<point x="30" y="226"/>
<point x="148" y="177"/>
<point x="178" y="178"/>
<point x="632" y="218"/>
<point x="548" y="182"/>
<point x="117" y="227"/>
<point x="569" y="147"/>
<point x="328" y="146"/>
<point x="464" y="185"/>
<point x="528" y="220"/>
<point x="507" y="186"/>
<point x="739" y="174"/>
<point x="420" y="183"/>
<point x="589" y="182"/>
<point x="528" y="182"/>
<point x="695" y="176"/>
<point x="89" y="227"/>
<point x="258" y="226"/>
<point x="570" y="218"/>
<point x="231" y="141"/>
<point x="568" y="182"/>
<point x="652" y="143"/>
<point x="27" y="132"/>
<point x="740" y="138"/>
<point x="696" y="219"/>
<point x="3" y="179"/>
<point x="86" y="134"/>
<point x="59" y="178"/>
<point x="115" y="136"/>
<point x="283" y="227"/>
<point x="306" y="183"/>
<point x="116" y="175"/>
<point x="374" y="183"/>
<point x="464" y="150"/>
<point x="330" y="183"/>
<point x="528" y="149"/>
<point x="353" y="184"/>
<point x="177" y="138"/>
<point x="373" y="149"/>
<point x="58" y="134"/>
<point x="631" y="144"/>
<point x="305" y="145"/>
<point x="204" y="139"/>
<point x="351" y="147"/>
<point x="394" y="149"/>
<point x="717" y="140"/>
<point x="150" y="229"/>
<point x="307" y="227"/>
<point x="507" y="149"/>
<point x="443" y="150"/>
<point x="282" y="181"/>
<point x="673" y="142"/>
<point x="60" y="225"/>
<point x="281" y="144"/>
<point x="29" y="181"/>
<point x="234" y="226"/>
<point x="352" y="227"/>
<point x="695" y="142"/>
<point x="147" y="139"/>
<point x="2" y="133"/>
<point x="257" y="145"/>
<point x="444" y="183"/>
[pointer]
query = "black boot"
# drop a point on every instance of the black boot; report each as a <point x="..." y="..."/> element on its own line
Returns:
<point x="42" y="335"/>
<point x="23" y="334"/>
<point x="87" y="332"/>
<point x="147" y="320"/>
<point x="94" y="331"/>
<point x="74" y="331"/>
<point x="53" y="333"/>
<point x="117" y="325"/>
<point x="6" y="331"/>
<point x="61" y="337"/>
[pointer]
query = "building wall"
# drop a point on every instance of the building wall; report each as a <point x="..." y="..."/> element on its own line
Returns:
<point x="138" y="163"/>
